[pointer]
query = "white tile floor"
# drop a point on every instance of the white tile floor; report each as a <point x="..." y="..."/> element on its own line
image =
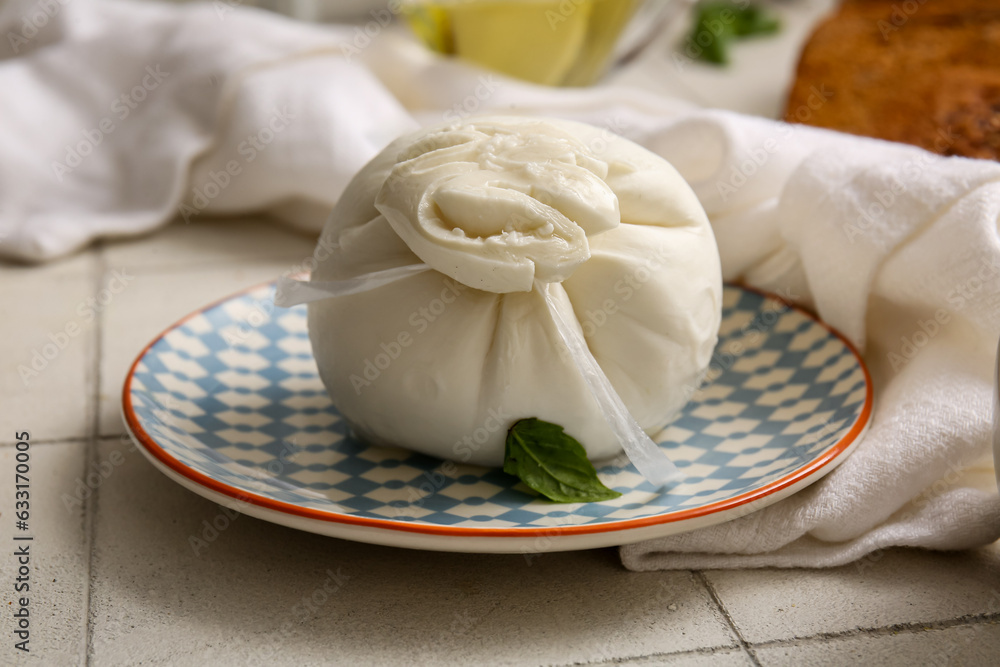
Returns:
<point x="116" y="580"/>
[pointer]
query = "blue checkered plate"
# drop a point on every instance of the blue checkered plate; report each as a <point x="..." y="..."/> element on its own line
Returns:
<point x="228" y="403"/>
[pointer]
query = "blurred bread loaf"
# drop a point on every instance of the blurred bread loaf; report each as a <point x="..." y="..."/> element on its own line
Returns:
<point x="922" y="72"/>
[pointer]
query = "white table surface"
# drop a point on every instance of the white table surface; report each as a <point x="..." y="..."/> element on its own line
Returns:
<point x="116" y="581"/>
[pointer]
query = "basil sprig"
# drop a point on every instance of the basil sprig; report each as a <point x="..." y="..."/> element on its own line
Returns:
<point x="719" y="22"/>
<point x="552" y="463"/>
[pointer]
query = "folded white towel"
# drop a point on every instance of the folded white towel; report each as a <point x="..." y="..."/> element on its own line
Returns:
<point x="118" y="115"/>
<point x="898" y="249"/>
<point x="124" y="115"/>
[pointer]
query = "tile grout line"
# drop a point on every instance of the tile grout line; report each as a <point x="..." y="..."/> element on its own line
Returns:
<point x="53" y="441"/>
<point x="70" y="440"/>
<point x="820" y="637"/>
<point x="704" y="650"/>
<point x="90" y="455"/>
<point x="744" y="645"/>
<point x="913" y="627"/>
<point x="880" y="631"/>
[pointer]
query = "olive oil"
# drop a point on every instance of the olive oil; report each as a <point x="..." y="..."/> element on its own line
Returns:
<point x="552" y="42"/>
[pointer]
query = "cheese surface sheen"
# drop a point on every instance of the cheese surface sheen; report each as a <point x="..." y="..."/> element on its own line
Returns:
<point x="444" y="361"/>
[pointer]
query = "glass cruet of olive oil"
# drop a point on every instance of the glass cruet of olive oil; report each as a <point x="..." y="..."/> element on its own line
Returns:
<point x="551" y="42"/>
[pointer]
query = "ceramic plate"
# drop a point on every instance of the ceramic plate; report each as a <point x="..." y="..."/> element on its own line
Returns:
<point x="228" y="403"/>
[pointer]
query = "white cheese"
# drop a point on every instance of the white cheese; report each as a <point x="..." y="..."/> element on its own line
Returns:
<point x="444" y="361"/>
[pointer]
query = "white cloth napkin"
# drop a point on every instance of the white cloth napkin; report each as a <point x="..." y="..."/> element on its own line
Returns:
<point x="119" y="115"/>
<point x="214" y="110"/>
<point x="897" y="249"/>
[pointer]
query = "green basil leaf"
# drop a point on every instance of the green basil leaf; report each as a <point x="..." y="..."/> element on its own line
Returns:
<point x="552" y="463"/>
<point x="753" y="20"/>
<point x="720" y="22"/>
<point x="714" y="28"/>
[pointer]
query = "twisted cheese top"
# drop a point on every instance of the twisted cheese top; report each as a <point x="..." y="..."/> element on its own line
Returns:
<point x="497" y="205"/>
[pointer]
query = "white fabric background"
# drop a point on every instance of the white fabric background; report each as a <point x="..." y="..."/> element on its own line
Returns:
<point x="880" y="239"/>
